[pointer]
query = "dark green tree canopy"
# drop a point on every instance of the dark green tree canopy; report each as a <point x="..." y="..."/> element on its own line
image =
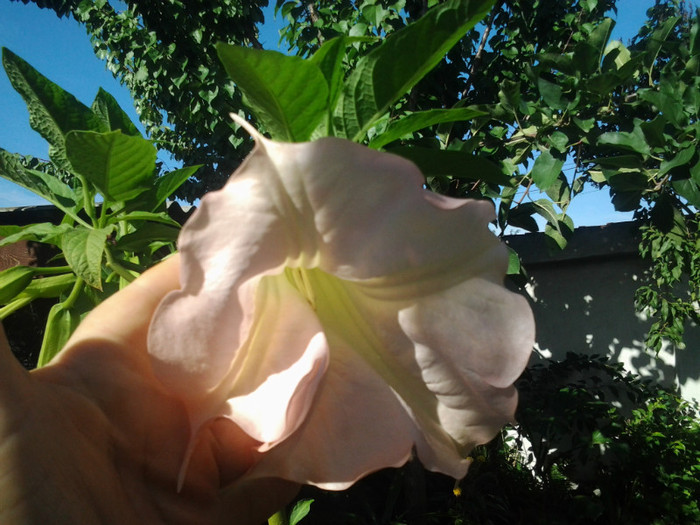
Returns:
<point x="164" y="53"/>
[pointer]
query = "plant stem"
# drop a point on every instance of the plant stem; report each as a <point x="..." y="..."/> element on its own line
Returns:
<point x="118" y="268"/>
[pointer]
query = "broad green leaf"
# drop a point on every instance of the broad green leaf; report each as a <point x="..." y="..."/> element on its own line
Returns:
<point x="630" y="162"/>
<point x="42" y="184"/>
<point x="588" y="53"/>
<point x="626" y="180"/>
<point x="106" y="108"/>
<point x="40" y="232"/>
<point x="633" y="140"/>
<point x="521" y="217"/>
<point x="682" y="158"/>
<point x="421" y="120"/>
<point x="559" y="141"/>
<point x="166" y="184"/>
<point x="655" y="42"/>
<point x="161" y="217"/>
<point x="616" y="56"/>
<point x="390" y="70"/>
<point x="560" y="192"/>
<point x="61" y="323"/>
<point x="695" y="173"/>
<point x="625" y="200"/>
<point x="119" y="166"/>
<point x="453" y="163"/>
<point x="53" y="112"/>
<point x="654" y="131"/>
<point x="84" y="250"/>
<point x="329" y="60"/>
<point x="585" y="125"/>
<point x="287" y="94"/>
<point x="668" y="102"/>
<point x="551" y="93"/>
<point x="49" y="287"/>
<point x="509" y="94"/>
<point x="146" y="235"/>
<point x="514" y="264"/>
<point x="546" y="170"/>
<point x="545" y="209"/>
<point x="13" y="281"/>
<point x="689" y="190"/>
<point x="300" y="510"/>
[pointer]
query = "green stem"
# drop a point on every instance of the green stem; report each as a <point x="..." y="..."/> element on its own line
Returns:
<point x="74" y="293"/>
<point x="88" y="200"/>
<point x="14" y="306"/>
<point x="52" y="270"/>
<point x="118" y="268"/>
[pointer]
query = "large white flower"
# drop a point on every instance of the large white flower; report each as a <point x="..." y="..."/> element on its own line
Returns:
<point x="343" y="316"/>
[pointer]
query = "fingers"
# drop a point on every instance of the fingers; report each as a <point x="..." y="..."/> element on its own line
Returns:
<point x="14" y="380"/>
<point x="251" y="502"/>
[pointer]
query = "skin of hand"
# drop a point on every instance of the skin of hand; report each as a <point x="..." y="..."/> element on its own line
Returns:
<point x="93" y="438"/>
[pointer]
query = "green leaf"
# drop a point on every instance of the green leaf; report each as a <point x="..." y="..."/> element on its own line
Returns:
<point x="630" y="162"/>
<point x="588" y="53"/>
<point x="329" y="60"/>
<point x="423" y="119"/>
<point x="160" y="217"/>
<point x="559" y="141"/>
<point x="559" y="228"/>
<point x="633" y="140"/>
<point x="168" y="183"/>
<point x="546" y="170"/>
<point x="40" y="232"/>
<point x="145" y="235"/>
<point x="53" y="112"/>
<point x="654" y="131"/>
<point x="119" y="166"/>
<point x="656" y="40"/>
<point x="390" y="70"/>
<point x="551" y="93"/>
<point x="13" y="281"/>
<point x="689" y="190"/>
<point x="667" y="102"/>
<point x="113" y="116"/>
<point x="453" y="163"/>
<point x="300" y="510"/>
<point x="49" y="287"/>
<point x="545" y="209"/>
<point x="682" y="158"/>
<point x="60" y="325"/>
<point x="42" y="184"/>
<point x="514" y="264"/>
<point x="84" y="250"/>
<point x="287" y="94"/>
<point x="521" y="217"/>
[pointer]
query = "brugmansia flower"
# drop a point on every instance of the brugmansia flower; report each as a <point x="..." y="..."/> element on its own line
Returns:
<point x="343" y="316"/>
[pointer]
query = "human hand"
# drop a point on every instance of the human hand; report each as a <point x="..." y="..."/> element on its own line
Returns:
<point x="93" y="438"/>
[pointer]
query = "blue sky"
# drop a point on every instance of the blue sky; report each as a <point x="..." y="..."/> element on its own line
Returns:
<point x="60" y="49"/>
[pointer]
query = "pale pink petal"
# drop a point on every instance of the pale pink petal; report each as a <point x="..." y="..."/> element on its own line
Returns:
<point x="342" y="315"/>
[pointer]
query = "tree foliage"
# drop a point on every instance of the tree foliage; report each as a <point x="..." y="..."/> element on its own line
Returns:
<point x="164" y="53"/>
<point x="565" y="108"/>
<point x="550" y="105"/>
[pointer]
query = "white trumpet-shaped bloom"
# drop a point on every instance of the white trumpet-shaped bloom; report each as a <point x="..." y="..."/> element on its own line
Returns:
<point x="342" y="315"/>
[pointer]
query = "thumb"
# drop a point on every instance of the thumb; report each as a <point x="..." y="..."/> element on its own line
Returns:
<point x="14" y="382"/>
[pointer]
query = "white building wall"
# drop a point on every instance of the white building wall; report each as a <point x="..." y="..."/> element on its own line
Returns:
<point x="583" y="300"/>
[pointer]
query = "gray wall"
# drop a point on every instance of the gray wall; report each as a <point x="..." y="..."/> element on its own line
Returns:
<point x="583" y="300"/>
